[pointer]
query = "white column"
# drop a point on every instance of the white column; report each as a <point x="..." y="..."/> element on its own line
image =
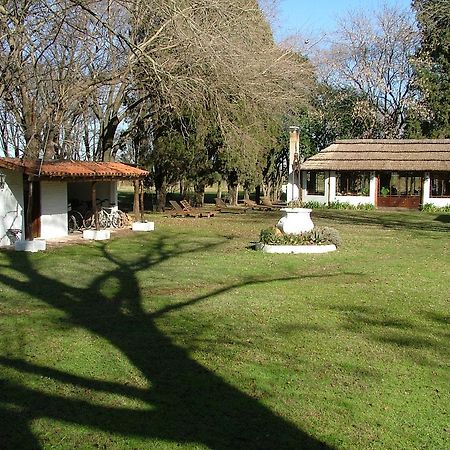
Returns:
<point x="113" y="196"/>
<point x="292" y="188"/>
<point x="373" y="188"/>
<point x="331" y="184"/>
<point x="426" y="189"/>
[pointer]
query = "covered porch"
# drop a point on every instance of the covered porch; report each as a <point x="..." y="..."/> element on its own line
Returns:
<point x="43" y="192"/>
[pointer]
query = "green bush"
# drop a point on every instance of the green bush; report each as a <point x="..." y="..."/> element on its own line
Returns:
<point x="346" y="205"/>
<point x="365" y="206"/>
<point x="296" y="204"/>
<point x="314" y="205"/>
<point x="317" y="236"/>
<point x="429" y="207"/>
<point x="339" y="205"/>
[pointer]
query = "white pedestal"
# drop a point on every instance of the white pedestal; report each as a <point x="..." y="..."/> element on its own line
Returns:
<point x="97" y="235"/>
<point x="143" y="226"/>
<point x="36" y="245"/>
<point x="295" y="220"/>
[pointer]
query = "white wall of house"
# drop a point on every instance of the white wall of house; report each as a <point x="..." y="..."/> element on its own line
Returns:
<point x="436" y="201"/>
<point x="11" y="205"/>
<point x="53" y="209"/>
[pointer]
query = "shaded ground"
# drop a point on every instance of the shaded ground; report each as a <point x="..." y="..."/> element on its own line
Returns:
<point x="186" y="403"/>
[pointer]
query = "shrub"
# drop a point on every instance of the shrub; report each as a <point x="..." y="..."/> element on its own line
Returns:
<point x="346" y="205"/>
<point x="295" y="204"/>
<point x="331" y="236"/>
<point x="317" y="236"/>
<point x="429" y="207"/>
<point x="365" y="206"/>
<point x="314" y="205"/>
<point x="331" y="205"/>
<point x="339" y="205"/>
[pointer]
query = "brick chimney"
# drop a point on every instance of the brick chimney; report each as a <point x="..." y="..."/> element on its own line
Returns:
<point x="294" y="141"/>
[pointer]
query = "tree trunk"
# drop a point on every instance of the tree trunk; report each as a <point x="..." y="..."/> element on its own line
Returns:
<point x="182" y="193"/>
<point x="161" y="195"/>
<point x="258" y="194"/>
<point x="219" y="189"/>
<point x="233" y="192"/>
<point x="199" y="194"/>
<point x="106" y="139"/>
<point x="266" y="190"/>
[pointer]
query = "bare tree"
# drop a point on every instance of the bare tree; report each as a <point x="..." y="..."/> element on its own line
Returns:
<point x="372" y="54"/>
<point x="39" y="58"/>
<point x="73" y="70"/>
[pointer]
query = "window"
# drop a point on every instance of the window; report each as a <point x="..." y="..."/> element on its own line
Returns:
<point x="400" y="184"/>
<point x="315" y="183"/>
<point x="440" y="185"/>
<point x="353" y="183"/>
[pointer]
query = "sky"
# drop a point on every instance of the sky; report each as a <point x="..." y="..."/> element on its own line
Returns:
<point x="316" y="17"/>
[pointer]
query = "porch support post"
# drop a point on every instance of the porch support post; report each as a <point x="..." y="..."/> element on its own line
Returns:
<point x="141" y="199"/>
<point x="29" y="217"/>
<point x="94" y="205"/>
<point x="136" y="200"/>
<point x="377" y="188"/>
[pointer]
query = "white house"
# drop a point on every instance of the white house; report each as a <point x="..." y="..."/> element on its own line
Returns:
<point x="384" y="173"/>
<point x="35" y="195"/>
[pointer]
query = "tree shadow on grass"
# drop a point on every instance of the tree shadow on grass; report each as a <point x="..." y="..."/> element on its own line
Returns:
<point x="394" y="220"/>
<point x="420" y="339"/>
<point x="444" y="218"/>
<point x="185" y="402"/>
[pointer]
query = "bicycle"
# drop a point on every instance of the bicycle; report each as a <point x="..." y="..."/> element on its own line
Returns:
<point x="75" y="221"/>
<point x="107" y="217"/>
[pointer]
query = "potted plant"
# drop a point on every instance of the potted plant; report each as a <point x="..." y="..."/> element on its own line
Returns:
<point x="384" y="191"/>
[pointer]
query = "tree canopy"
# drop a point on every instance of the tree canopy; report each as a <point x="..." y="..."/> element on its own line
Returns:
<point x="433" y="64"/>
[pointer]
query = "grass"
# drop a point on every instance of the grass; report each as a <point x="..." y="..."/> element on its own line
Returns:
<point x="187" y="338"/>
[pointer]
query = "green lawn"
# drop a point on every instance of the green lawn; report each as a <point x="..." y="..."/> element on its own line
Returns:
<point x="187" y="338"/>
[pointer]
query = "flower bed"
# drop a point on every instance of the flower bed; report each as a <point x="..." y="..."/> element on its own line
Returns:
<point x="317" y="240"/>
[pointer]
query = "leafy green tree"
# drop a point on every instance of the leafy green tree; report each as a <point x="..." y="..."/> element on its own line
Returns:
<point x="433" y="65"/>
<point x="334" y="113"/>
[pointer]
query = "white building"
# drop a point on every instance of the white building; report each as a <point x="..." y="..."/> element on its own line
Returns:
<point x="383" y="173"/>
<point x="35" y="195"/>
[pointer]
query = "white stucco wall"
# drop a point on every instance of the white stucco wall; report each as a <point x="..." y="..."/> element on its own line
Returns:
<point x="11" y="205"/>
<point x="439" y="202"/>
<point x="53" y="209"/>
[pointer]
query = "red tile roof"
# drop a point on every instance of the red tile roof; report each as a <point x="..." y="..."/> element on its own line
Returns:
<point x="73" y="169"/>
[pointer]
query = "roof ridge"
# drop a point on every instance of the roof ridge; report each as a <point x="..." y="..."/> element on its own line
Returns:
<point x="392" y="141"/>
